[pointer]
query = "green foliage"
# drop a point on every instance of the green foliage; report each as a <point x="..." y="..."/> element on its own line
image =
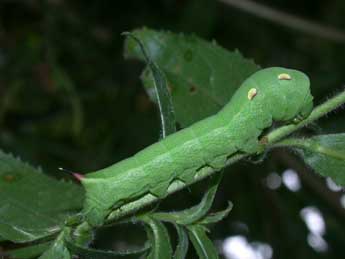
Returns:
<point x="197" y="71"/>
<point x="183" y="243"/>
<point x="193" y="214"/>
<point x="189" y="223"/>
<point x="32" y="251"/>
<point x="86" y="252"/>
<point x="215" y="217"/>
<point x="159" y="238"/>
<point x="202" y="244"/>
<point x="325" y="154"/>
<point x="58" y="249"/>
<point x="35" y="206"/>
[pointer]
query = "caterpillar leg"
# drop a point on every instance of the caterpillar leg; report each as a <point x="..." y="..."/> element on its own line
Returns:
<point x="218" y="162"/>
<point x="160" y="190"/>
<point x="298" y="118"/>
<point x="187" y="176"/>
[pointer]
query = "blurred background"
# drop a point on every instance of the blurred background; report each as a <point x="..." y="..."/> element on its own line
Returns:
<point x="68" y="98"/>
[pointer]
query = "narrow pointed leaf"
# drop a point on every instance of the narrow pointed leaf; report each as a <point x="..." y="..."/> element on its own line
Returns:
<point x="193" y="214"/>
<point x="91" y="253"/>
<point x="159" y="237"/>
<point x="162" y="95"/>
<point x="217" y="216"/>
<point x="197" y="71"/>
<point x="33" y="205"/>
<point x="325" y="154"/>
<point x="29" y="252"/>
<point x="183" y="243"/>
<point x="58" y="249"/>
<point x="202" y="244"/>
<point x="82" y="235"/>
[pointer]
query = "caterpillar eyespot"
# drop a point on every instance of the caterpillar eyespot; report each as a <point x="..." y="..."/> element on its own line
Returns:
<point x="207" y="143"/>
<point x="284" y="76"/>
<point x="252" y="93"/>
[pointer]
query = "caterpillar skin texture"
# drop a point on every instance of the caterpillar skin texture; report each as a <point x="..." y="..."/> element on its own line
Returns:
<point x="272" y="94"/>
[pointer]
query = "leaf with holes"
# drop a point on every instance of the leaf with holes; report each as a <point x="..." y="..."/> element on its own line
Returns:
<point x="197" y="71"/>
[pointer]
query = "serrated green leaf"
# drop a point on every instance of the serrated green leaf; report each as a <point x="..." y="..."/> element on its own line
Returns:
<point x="33" y="205"/>
<point x="325" y="154"/>
<point x="159" y="237"/>
<point x="193" y="214"/>
<point x="217" y="216"/>
<point x="197" y="71"/>
<point x="183" y="243"/>
<point x="162" y="95"/>
<point x="202" y="244"/>
<point x="32" y="251"/>
<point x="58" y="249"/>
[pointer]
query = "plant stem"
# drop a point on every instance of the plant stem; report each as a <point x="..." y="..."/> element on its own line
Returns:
<point x="309" y="144"/>
<point x="270" y="138"/>
<point x="288" y="20"/>
<point x="317" y="113"/>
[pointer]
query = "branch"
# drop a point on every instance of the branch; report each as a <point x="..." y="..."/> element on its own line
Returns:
<point x="317" y="113"/>
<point x="271" y="138"/>
<point x="288" y="20"/>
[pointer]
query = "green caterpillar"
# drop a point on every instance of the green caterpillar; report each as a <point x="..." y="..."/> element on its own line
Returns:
<point x="272" y="94"/>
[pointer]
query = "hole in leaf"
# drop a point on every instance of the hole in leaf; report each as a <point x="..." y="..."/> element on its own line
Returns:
<point x="9" y="178"/>
<point x="193" y="89"/>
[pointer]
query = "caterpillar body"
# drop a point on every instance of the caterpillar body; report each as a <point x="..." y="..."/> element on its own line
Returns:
<point x="272" y="94"/>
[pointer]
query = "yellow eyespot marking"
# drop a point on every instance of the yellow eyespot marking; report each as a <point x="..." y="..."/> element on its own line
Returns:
<point x="284" y="77"/>
<point x="252" y="93"/>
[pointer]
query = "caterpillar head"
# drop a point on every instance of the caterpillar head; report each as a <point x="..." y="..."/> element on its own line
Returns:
<point x="285" y="91"/>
